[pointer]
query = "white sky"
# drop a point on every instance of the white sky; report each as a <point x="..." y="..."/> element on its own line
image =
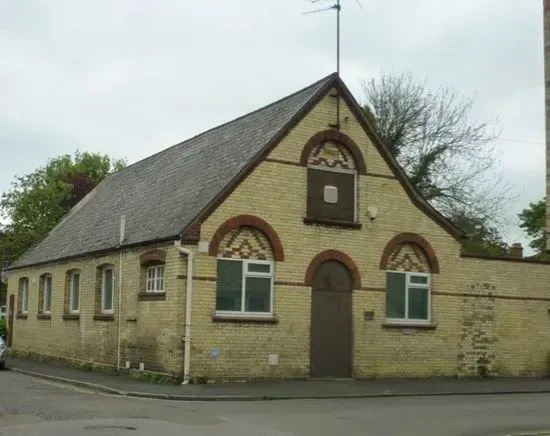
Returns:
<point x="132" y="77"/>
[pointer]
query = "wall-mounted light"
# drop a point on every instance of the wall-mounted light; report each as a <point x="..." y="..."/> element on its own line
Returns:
<point x="372" y="212"/>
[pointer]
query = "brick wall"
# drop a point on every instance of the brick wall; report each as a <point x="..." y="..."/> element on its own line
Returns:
<point x="506" y="328"/>
<point x="150" y="331"/>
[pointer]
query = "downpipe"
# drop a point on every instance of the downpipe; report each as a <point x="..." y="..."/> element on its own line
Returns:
<point x="188" y="306"/>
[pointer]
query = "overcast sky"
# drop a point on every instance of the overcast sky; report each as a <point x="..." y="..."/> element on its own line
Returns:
<point x="130" y="78"/>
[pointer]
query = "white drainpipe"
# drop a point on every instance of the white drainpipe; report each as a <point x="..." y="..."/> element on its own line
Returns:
<point x="188" y="306"/>
<point x="119" y="302"/>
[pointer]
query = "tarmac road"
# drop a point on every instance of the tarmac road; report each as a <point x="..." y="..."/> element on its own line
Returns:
<point x="30" y="406"/>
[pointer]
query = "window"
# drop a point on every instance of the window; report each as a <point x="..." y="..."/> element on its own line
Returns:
<point x="244" y="287"/>
<point x="23" y="295"/>
<point x="74" y="293"/>
<point x="155" y="278"/>
<point x="408" y="297"/>
<point x="45" y="294"/>
<point x="331" y="194"/>
<point x="107" y="290"/>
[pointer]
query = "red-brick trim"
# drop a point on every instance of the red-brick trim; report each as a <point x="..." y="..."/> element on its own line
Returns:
<point x="251" y="221"/>
<point x="338" y="256"/>
<point x="153" y="256"/>
<point x="413" y="238"/>
<point x="334" y="136"/>
<point x="192" y="235"/>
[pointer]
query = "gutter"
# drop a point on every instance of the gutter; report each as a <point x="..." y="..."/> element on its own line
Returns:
<point x="188" y="306"/>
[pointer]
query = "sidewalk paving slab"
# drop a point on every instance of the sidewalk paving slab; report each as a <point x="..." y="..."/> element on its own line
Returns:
<point x="277" y="390"/>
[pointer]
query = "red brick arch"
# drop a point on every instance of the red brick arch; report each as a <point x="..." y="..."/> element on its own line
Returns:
<point x="335" y="136"/>
<point x="411" y="238"/>
<point x="338" y="256"/>
<point x="250" y="221"/>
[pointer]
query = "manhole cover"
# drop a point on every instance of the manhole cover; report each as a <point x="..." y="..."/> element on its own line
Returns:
<point x="109" y="427"/>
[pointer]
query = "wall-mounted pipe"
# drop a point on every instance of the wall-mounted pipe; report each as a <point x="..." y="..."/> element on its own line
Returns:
<point x="188" y="307"/>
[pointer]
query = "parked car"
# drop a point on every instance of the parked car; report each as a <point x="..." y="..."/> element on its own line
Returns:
<point x="3" y="353"/>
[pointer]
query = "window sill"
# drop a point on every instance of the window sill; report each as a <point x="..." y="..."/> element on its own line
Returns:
<point x="408" y="325"/>
<point x="44" y="316"/>
<point x="152" y="296"/>
<point x="330" y="222"/>
<point x="71" y="317"/>
<point x="104" y="317"/>
<point x="245" y="319"/>
<point x="22" y="316"/>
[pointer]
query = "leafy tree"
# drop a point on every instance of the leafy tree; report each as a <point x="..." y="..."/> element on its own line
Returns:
<point x="37" y="201"/>
<point x="533" y="222"/>
<point x="449" y="158"/>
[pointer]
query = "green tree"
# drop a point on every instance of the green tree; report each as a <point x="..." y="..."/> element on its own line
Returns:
<point x="37" y="201"/>
<point x="533" y="222"/>
<point x="449" y="158"/>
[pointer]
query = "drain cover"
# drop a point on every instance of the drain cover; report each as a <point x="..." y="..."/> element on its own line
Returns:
<point x="109" y="427"/>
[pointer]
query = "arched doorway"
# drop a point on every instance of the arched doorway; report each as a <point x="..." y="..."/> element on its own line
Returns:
<point x="331" y="321"/>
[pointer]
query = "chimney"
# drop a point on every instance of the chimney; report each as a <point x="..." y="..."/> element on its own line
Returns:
<point x="516" y="250"/>
<point x="547" y="110"/>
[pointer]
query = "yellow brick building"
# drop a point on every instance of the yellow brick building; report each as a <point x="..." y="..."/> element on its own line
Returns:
<point x="285" y="244"/>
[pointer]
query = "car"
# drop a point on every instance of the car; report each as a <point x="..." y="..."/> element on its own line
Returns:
<point x="3" y="353"/>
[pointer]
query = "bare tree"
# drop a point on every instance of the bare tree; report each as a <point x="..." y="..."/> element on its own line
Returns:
<point x="449" y="158"/>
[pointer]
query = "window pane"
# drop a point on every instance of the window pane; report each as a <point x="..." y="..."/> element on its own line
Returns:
<point x="47" y="294"/>
<point x="418" y="303"/>
<point x="259" y="267"/>
<point x="258" y="294"/>
<point x="423" y="280"/>
<point x="160" y="278"/>
<point x="75" y="292"/>
<point x="229" y="286"/>
<point x="395" y="295"/>
<point x="108" y="289"/>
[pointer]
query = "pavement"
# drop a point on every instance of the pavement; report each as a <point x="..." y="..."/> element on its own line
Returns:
<point x="128" y="386"/>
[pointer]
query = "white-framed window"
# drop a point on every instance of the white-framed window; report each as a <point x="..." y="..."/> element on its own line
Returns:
<point x="74" y="292"/>
<point x="408" y="297"/>
<point x="244" y="287"/>
<point x="155" y="278"/>
<point x="107" y="289"/>
<point x="24" y="295"/>
<point x="46" y="293"/>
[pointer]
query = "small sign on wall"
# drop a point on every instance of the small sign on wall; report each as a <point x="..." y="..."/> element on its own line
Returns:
<point x="273" y="359"/>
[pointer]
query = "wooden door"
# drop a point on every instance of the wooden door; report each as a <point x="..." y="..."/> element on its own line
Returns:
<point x="331" y="321"/>
<point x="11" y="312"/>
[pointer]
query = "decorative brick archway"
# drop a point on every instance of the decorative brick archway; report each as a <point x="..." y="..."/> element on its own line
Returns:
<point x="410" y="238"/>
<point x="250" y="221"/>
<point x="338" y="256"/>
<point x="335" y="136"/>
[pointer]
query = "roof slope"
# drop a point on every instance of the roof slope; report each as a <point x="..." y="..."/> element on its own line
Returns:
<point x="162" y="194"/>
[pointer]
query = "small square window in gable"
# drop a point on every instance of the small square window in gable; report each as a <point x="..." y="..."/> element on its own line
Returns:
<point x="246" y="243"/>
<point x="408" y="257"/>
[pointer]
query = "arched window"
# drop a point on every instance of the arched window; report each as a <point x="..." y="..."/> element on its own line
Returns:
<point x="23" y="296"/>
<point x="45" y="294"/>
<point x="72" y="292"/>
<point x="245" y="273"/>
<point x="409" y="262"/>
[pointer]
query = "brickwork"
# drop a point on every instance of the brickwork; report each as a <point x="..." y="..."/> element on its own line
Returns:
<point x="246" y="243"/>
<point x="332" y="155"/>
<point x="408" y="257"/>
<point x="482" y="310"/>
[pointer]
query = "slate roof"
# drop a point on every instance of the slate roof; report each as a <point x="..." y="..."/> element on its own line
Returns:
<point x="162" y="194"/>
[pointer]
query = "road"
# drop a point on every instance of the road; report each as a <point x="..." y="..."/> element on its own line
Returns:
<point x="31" y="406"/>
